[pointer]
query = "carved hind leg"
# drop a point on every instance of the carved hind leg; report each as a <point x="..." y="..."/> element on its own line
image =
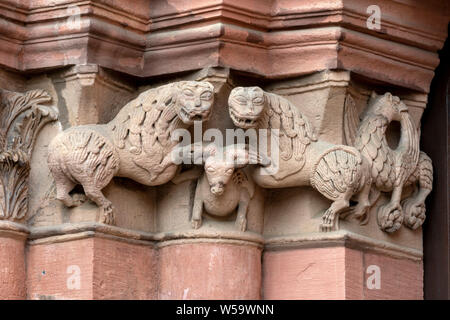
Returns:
<point x="63" y="186"/>
<point x="197" y="209"/>
<point x="362" y="207"/>
<point x="331" y="217"/>
<point x="414" y="207"/>
<point x="366" y="199"/>
<point x="106" y="207"/>
<point x="241" y="219"/>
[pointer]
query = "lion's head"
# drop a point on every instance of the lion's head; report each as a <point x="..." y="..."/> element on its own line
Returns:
<point x="246" y="106"/>
<point x="194" y="100"/>
<point x="387" y="105"/>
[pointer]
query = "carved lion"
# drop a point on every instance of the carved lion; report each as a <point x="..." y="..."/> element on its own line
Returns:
<point x="136" y="144"/>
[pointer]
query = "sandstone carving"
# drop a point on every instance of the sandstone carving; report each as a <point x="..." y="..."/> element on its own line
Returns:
<point x="22" y="115"/>
<point x="338" y="172"/>
<point x="391" y="170"/>
<point x="343" y="173"/>
<point x="223" y="186"/>
<point x="136" y="144"/>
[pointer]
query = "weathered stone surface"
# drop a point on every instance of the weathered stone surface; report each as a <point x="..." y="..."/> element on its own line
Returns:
<point x="12" y="253"/>
<point x="210" y="271"/>
<point x="339" y="273"/>
<point x="346" y="143"/>
<point x="340" y="172"/>
<point x="91" y="268"/>
<point x="135" y="38"/>
<point x="136" y="144"/>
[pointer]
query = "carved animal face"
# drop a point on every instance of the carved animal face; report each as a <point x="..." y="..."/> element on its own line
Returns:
<point x="194" y="101"/>
<point x="387" y="105"/>
<point x="246" y="106"/>
<point x="219" y="170"/>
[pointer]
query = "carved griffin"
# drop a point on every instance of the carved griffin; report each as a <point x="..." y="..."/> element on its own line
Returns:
<point x="392" y="169"/>
<point x="343" y="173"/>
<point x="338" y="172"/>
<point x="136" y="144"/>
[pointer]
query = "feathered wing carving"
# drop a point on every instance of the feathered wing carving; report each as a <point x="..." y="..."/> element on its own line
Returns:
<point x="407" y="155"/>
<point x="371" y="142"/>
<point x="351" y="120"/>
<point x="389" y="168"/>
<point x="296" y="133"/>
<point x="338" y="172"/>
<point x="141" y="114"/>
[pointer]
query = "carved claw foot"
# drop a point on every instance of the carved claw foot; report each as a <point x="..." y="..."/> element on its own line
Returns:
<point x="241" y="224"/>
<point x="196" y="223"/>
<point x="107" y="215"/>
<point x="414" y="213"/>
<point x="328" y="221"/>
<point x="390" y="217"/>
<point x="361" y="214"/>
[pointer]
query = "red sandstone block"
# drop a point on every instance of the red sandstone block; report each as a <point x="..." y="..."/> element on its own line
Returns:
<point x="12" y="268"/>
<point x="400" y="278"/>
<point x="124" y="271"/>
<point x="210" y="271"/>
<point x="317" y="273"/>
<point x="340" y="273"/>
<point x="93" y="268"/>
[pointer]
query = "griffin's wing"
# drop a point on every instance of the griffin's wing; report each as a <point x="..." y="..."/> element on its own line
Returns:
<point x="295" y="130"/>
<point x="407" y="155"/>
<point x="351" y="120"/>
<point x="376" y="150"/>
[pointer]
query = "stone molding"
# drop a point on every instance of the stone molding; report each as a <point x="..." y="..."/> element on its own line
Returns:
<point x="286" y="39"/>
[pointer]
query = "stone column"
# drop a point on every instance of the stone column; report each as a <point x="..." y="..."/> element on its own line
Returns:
<point x="210" y="269"/>
<point x="12" y="260"/>
<point x="91" y="262"/>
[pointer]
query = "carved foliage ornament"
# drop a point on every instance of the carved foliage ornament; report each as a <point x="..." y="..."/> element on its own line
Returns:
<point x="22" y="115"/>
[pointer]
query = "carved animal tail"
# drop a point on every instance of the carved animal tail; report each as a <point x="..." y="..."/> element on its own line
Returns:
<point x="338" y="173"/>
